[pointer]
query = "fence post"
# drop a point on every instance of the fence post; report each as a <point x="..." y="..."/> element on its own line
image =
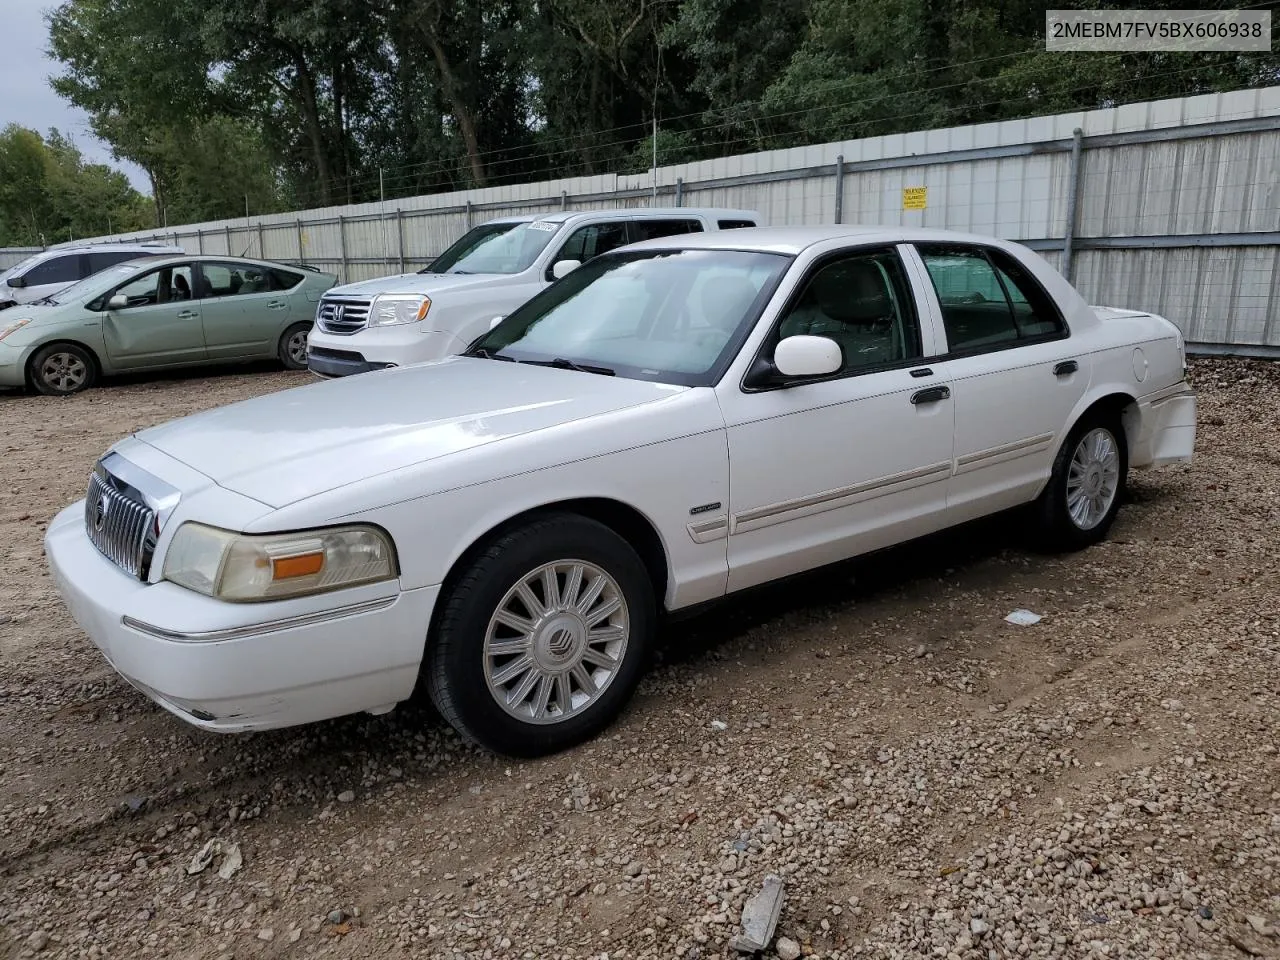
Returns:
<point x="839" y="188"/>
<point x="400" y="236"/>
<point x="262" y="250"/>
<point x="1073" y="214"/>
<point x="679" y="191"/>
<point x="227" y="232"/>
<point x="199" y="241"/>
<point x="564" y="199"/>
<point x="468" y="214"/>
<point x="342" y="245"/>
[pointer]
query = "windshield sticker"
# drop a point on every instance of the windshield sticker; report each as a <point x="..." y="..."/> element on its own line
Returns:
<point x="544" y="225"/>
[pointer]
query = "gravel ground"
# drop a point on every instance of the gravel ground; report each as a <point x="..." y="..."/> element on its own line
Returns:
<point x="929" y="780"/>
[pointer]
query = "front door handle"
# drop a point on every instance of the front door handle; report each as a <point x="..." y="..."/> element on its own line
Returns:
<point x="276" y="305"/>
<point x="1065" y="367"/>
<point x="932" y="395"/>
<point x="187" y="315"/>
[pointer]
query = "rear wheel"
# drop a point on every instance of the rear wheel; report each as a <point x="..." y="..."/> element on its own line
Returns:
<point x="292" y="350"/>
<point x="543" y="637"/>
<point x="1080" y="502"/>
<point x="61" y="369"/>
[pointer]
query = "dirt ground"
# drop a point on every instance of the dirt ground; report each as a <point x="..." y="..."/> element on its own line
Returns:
<point x="928" y="780"/>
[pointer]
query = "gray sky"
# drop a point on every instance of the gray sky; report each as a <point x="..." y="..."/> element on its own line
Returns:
<point x="25" y="95"/>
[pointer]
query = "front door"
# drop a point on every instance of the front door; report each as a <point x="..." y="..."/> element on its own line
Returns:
<point x="243" y="316"/>
<point x="159" y="323"/>
<point x="1013" y="370"/>
<point x="824" y="470"/>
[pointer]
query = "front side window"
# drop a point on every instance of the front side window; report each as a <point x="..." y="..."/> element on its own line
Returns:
<point x="496" y="248"/>
<point x="166" y="285"/>
<point x="863" y="302"/>
<point x="668" y="316"/>
<point x="66" y="269"/>
<point x="988" y="300"/>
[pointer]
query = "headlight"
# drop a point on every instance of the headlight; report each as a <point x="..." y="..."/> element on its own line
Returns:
<point x="13" y="327"/>
<point x="398" y="308"/>
<point x="243" y="567"/>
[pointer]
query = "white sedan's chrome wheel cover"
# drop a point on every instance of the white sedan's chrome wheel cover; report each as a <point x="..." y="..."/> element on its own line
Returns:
<point x="556" y="641"/>
<point x="64" y="371"/>
<point x="1093" y="478"/>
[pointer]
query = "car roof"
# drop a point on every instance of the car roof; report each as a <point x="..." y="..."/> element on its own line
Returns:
<point x="110" y="246"/>
<point x="560" y="216"/>
<point x="793" y="240"/>
<point x="162" y="259"/>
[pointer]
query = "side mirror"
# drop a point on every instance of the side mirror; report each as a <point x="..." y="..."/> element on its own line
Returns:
<point x="807" y="356"/>
<point x="118" y="302"/>
<point x="495" y="321"/>
<point x="16" y="282"/>
<point x="565" y="267"/>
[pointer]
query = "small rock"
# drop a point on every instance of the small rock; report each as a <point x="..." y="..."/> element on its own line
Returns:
<point x="336" y="916"/>
<point x="1205" y="913"/>
<point x="978" y="926"/>
<point x="346" y="796"/>
<point x="920" y="651"/>
<point x="295" y="934"/>
<point x="38" y="941"/>
<point x="787" y="949"/>
<point x="267" y="934"/>
<point x="634" y="868"/>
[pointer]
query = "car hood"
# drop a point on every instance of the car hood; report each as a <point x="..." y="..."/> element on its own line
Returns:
<point x="428" y="283"/>
<point x="287" y="446"/>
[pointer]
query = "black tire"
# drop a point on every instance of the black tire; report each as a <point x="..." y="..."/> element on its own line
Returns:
<point x="454" y="668"/>
<point x="1055" y="528"/>
<point x="286" y="349"/>
<point x="61" y="369"/>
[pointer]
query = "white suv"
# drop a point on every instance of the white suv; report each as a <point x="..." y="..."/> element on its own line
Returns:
<point x="491" y="270"/>
<point x="45" y="273"/>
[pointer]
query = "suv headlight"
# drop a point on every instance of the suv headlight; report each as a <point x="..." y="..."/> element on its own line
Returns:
<point x="241" y="567"/>
<point x="393" y="308"/>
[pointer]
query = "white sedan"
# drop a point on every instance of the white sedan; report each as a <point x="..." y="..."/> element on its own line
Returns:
<point x="671" y="423"/>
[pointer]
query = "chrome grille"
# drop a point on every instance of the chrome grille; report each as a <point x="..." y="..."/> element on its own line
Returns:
<point x="121" y="527"/>
<point x="343" y="315"/>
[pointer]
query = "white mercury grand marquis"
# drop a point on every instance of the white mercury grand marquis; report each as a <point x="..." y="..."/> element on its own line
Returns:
<point x="670" y="423"/>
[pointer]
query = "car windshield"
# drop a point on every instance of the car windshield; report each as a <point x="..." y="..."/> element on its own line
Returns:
<point x="95" y="283"/>
<point x="673" y="316"/>
<point x="495" y="248"/>
<point x="18" y="267"/>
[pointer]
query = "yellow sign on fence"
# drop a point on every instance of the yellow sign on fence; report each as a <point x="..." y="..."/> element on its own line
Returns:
<point x="915" y="198"/>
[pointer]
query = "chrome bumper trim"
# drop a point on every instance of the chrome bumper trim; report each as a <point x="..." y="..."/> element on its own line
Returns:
<point x="256" y="629"/>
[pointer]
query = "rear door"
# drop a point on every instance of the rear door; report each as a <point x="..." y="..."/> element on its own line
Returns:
<point x="243" y="309"/>
<point x="159" y="324"/>
<point x="1013" y="369"/>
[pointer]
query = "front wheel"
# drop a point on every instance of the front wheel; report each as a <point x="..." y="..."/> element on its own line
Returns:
<point x="62" y="369"/>
<point x="293" y="346"/>
<point x="1082" y="498"/>
<point x="543" y="637"/>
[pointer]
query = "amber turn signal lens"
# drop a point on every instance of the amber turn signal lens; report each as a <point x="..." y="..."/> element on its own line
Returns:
<point x="304" y="565"/>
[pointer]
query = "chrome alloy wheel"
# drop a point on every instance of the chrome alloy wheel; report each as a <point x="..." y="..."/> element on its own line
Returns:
<point x="556" y="641"/>
<point x="296" y="347"/>
<point x="64" y="371"/>
<point x="1093" y="478"/>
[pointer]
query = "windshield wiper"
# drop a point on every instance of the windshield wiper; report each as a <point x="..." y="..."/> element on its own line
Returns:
<point x="485" y="354"/>
<point x="564" y="364"/>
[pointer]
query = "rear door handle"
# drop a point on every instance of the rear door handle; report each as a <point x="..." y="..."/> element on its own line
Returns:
<point x="1065" y="367"/>
<point x="932" y="395"/>
<point x="276" y="305"/>
<point x="187" y="315"/>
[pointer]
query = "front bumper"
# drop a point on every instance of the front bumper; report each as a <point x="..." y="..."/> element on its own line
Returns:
<point x="373" y="348"/>
<point x="236" y="667"/>
<point x="12" y="366"/>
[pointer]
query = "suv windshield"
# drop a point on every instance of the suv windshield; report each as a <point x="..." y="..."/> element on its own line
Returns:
<point x="495" y="248"/>
<point x="96" y="282"/>
<point x="674" y="316"/>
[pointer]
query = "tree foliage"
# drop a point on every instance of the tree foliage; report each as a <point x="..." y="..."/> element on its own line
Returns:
<point x="317" y="102"/>
<point x="48" y="193"/>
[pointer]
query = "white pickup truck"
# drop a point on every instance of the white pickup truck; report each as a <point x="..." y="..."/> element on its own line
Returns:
<point x="491" y="270"/>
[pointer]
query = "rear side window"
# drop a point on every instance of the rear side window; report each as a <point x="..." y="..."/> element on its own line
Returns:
<point x="285" y="279"/>
<point x="652" y="229"/>
<point x="734" y="224"/>
<point x="989" y="301"/>
<point x="66" y="269"/>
